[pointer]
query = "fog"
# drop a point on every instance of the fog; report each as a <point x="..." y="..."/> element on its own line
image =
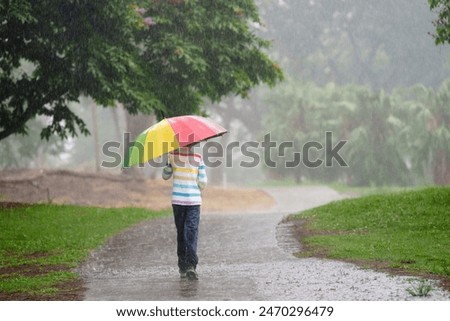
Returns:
<point x="368" y="72"/>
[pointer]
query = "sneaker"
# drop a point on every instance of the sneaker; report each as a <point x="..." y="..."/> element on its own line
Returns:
<point x="192" y="274"/>
<point x="183" y="274"/>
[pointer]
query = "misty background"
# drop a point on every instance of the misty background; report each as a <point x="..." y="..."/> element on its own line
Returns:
<point x="367" y="71"/>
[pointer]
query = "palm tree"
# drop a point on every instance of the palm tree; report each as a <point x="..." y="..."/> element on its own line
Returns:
<point x="374" y="148"/>
<point x="428" y="132"/>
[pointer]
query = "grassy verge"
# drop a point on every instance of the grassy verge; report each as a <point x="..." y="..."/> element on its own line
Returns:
<point x="41" y="244"/>
<point x="339" y="187"/>
<point x="403" y="231"/>
<point x="368" y="190"/>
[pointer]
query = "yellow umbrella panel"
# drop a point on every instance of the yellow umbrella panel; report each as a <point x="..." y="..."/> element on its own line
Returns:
<point x="154" y="142"/>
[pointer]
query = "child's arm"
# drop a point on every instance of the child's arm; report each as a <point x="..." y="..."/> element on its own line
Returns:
<point x="167" y="172"/>
<point x="202" y="179"/>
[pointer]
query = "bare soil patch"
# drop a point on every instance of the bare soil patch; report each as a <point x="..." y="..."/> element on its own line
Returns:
<point x="31" y="269"/>
<point x="107" y="190"/>
<point x="66" y="291"/>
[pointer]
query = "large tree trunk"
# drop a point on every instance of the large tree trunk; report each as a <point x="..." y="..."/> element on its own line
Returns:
<point x="441" y="168"/>
<point x="93" y="107"/>
<point x="88" y="102"/>
<point x="115" y="116"/>
<point x="217" y="175"/>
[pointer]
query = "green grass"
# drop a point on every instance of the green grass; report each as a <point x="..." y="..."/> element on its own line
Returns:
<point x="42" y="237"/>
<point x="368" y="190"/>
<point x="45" y="284"/>
<point x="337" y="186"/>
<point x="407" y="230"/>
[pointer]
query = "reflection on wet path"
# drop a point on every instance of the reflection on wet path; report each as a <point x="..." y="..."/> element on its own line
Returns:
<point x="188" y="288"/>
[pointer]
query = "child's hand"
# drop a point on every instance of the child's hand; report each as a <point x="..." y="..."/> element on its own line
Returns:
<point x="167" y="171"/>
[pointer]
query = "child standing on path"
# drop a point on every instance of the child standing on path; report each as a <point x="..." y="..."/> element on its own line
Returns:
<point x="189" y="178"/>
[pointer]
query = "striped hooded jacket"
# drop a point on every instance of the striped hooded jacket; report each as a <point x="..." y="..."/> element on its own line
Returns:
<point x="189" y="177"/>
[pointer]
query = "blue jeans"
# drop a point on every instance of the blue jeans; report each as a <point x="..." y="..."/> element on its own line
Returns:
<point x="187" y="219"/>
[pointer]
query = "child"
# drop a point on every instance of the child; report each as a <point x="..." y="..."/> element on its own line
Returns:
<point x="189" y="178"/>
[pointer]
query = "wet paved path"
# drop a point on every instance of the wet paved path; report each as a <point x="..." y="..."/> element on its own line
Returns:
<point x="242" y="257"/>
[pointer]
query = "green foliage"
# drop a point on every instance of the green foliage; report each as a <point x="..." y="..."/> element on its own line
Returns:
<point x="422" y="288"/>
<point x="40" y="285"/>
<point x="409" y="230"/>
<point x="204" y="49"/>
<point x="62" y="235"/>
<point x="75" y="47"/>
<point x="374" y="148"/>
<point x="442" y="23"/>
<point x="301" y="113"/>
<point x="426" y="130"/>
<point x="390" y="138"/>
<point x="165" y="60"/>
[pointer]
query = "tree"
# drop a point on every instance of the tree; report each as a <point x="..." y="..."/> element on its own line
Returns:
<point x="427" y="132"/>
<point x="367" y="120"/>
<point x="442" y="23"/>
<point x="203" y="49"/>
<point x="298" y="114"/>
<point x="75" y="47"/>
<point x="152" y="55"/>
<point x="374" y="146"/>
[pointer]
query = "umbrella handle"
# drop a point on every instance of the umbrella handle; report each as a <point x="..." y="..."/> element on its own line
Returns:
<point x="170" y="159"/>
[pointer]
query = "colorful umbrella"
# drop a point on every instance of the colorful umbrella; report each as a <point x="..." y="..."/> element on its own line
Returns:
<point x="168" y="135"/>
